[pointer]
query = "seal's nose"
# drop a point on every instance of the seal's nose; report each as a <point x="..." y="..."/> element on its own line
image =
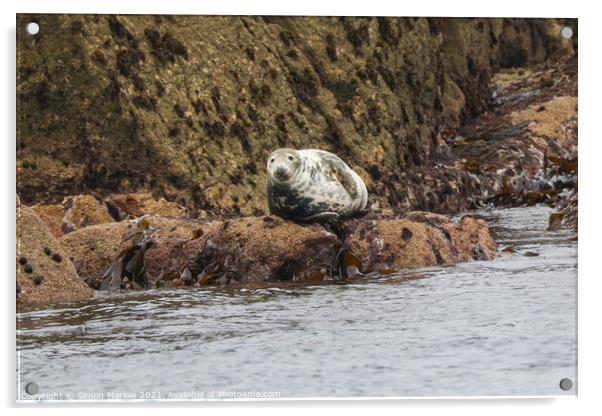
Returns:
<point x="281" y="173"/>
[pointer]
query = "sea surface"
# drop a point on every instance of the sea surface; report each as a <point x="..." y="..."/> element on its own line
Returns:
<point x="503" y="327"/>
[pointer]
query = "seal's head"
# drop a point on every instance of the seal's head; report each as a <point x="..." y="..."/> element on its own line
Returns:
<point x="283" y="165"/>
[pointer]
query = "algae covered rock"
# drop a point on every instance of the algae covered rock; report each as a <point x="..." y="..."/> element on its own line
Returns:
<point x="166" y="252"/>
<point x="94" y="249"/>
<point x="73" y="213"/>
<point x="45" y="274"/>
<point x="52" y="216"/>
<point x="522" y="153"/>
<point x="134" y="205"/>
<point x="418" y="239"/>
<point x="189" y="107"/>
<point x="257" y="249"/>
<point x="178" y="252"/>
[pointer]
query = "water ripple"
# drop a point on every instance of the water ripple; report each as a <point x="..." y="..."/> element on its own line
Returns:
<point x="480" y="328"/>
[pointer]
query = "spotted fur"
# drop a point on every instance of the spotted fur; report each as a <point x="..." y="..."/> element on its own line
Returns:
<point x="313" y="185"/>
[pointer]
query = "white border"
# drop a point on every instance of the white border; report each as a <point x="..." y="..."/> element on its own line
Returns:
<point x="590" y="153"/>
<point x="462" y="8"/>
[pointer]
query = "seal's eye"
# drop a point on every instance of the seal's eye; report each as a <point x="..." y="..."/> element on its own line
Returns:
<point x="290" y="158"/>
<point x="272" y="161"/>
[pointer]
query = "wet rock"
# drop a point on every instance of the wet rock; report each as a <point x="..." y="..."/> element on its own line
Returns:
<point x="73" y="213"/>
<point x="93" y="249"/>
<point x="523" y="153"/>
<point x="471" y="239"/>
<point x="175" y="252"/>
<point x="566" y="214"/>
<point x="256" y="249"/>
<point x="60" y="282"/>
<point x="417" y="240"/>
<point x="96" y="248"/>
<point x="152" y="251"/>
<point x="175" y="247"/>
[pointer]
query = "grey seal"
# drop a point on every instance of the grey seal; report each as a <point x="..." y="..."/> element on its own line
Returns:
<point x="312" y="185"/>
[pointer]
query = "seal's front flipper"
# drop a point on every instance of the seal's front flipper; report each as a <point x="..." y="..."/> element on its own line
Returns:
<point x="342" y="173"/>
<point x="322" y="217"/>
<point x="361" y="213"/>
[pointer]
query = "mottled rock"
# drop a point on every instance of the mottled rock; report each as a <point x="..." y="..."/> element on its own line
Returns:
<point x="93" y="249"/>
<point x="256" y="249"/>
<point x="52" y="215"/>
<point x="189" y="107"/>
<point x="137" y="204"/>
<point x="164" y="252"/>
<point x="186" y="252"/>
<point x="417" y="240"/>
<point x="175" y="247"/>
<point x="82" y="211"/>
<point x="73" y="213"/>
<point x="40" y="279"/>
<point x="471" y="239"/>
<point x="552" y="119"/>
<point x="524" y="152"/>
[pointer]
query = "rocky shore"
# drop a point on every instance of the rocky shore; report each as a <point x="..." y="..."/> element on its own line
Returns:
<point x="157" y="251"/>
<point x="523" y="151"/>
<point x="147" y="169"/>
